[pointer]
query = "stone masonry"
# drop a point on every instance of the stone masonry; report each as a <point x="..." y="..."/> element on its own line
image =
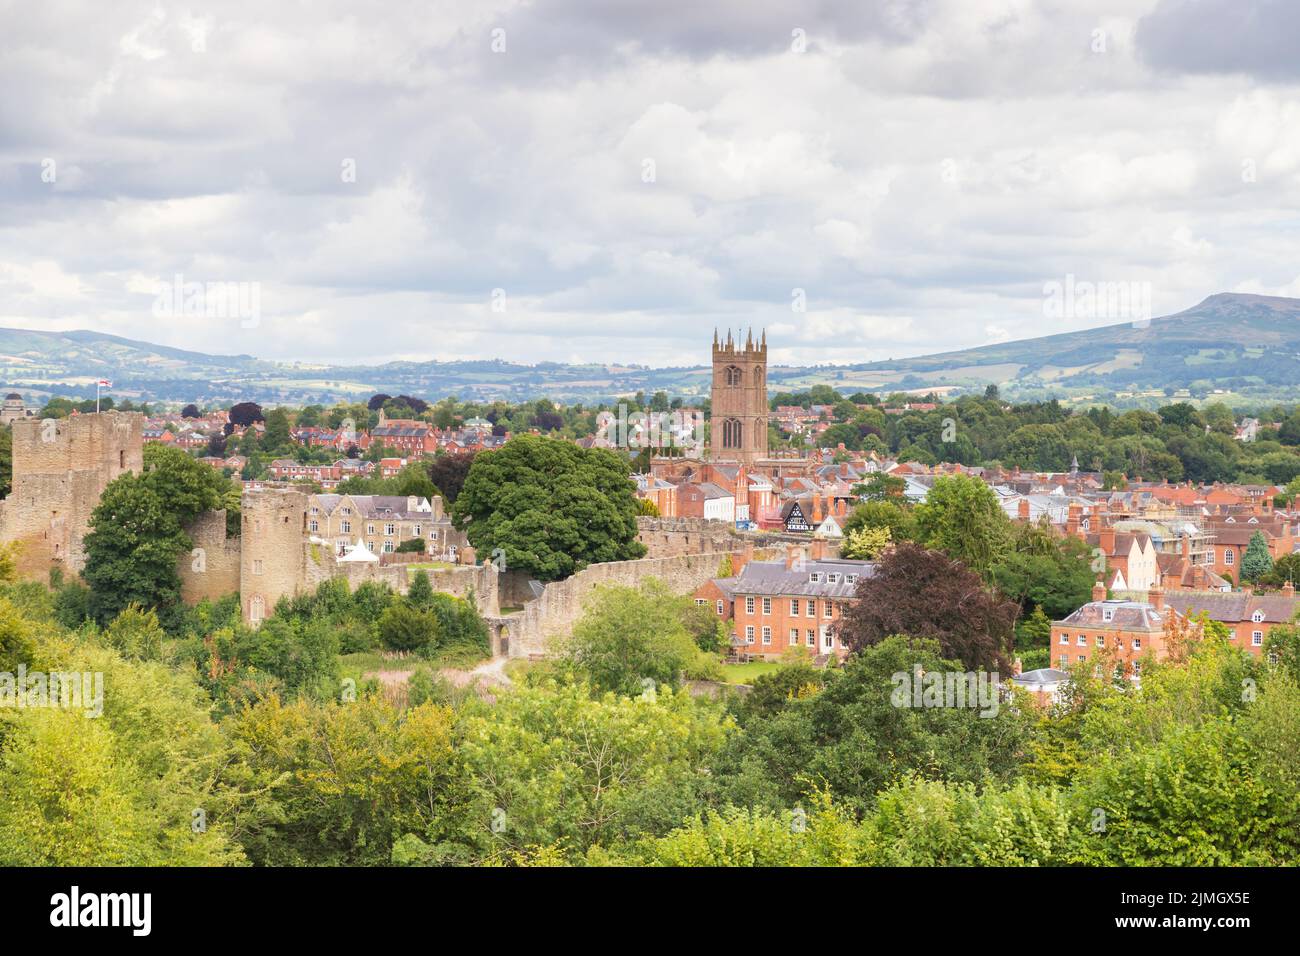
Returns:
<point x="61" y="467"/>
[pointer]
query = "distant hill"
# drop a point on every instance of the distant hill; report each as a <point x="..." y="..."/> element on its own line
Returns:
<point x="1244" y="347"/>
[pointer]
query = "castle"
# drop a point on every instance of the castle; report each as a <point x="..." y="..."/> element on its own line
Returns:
<point x="739" y="400"/>
<point x="60" y="468"/>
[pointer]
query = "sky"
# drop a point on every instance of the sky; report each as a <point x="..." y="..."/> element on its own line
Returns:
<point x="610" y="181"/>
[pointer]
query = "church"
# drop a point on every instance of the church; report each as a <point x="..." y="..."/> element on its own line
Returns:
<point x="738" y="476"/>
<point x="738" y="421"/>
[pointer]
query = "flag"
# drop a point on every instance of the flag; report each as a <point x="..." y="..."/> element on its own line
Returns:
<point x="105" y="383"/>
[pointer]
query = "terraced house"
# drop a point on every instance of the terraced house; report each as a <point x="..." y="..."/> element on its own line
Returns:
<point x="1248" y="616"/>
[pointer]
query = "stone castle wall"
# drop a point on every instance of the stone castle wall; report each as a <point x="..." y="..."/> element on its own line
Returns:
<point x="61" y="468"/>
<point x="273" y="559"/>
<point x="211" y="568"/>
<point x="530" y="632"/>
<point x="669" y="537"/>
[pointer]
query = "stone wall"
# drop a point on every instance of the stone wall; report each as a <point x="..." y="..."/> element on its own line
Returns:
<point x="321" y="564"/>
<point x="211" y="568"/>
<point x="273" y="561"/>
<point x="530" y="632"/>
<point x="61" y="466"/>
<point x="669" y="537"/>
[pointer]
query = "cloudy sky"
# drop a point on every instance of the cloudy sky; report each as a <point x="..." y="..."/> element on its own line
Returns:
<point x="610" y="180"/>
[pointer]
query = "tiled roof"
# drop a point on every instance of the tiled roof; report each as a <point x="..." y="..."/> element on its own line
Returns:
<point x="775" y="579"/>
<point x="1126" y="615"/>
<point x="1234" y="606"/>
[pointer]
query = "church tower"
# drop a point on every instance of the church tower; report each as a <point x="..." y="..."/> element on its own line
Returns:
<point x="738" y="418"/>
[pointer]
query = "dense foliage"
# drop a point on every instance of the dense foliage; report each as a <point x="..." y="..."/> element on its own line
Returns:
<point x="548" y="508"/>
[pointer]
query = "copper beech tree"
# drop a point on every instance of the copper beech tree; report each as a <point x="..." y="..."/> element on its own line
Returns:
<point x="925" y="593"/>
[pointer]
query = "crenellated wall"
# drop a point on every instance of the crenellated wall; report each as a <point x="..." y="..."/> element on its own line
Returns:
<point x="529" y="633"/>
<point x="61" y="466"/>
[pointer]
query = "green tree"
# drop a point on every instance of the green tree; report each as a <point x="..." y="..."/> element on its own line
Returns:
<point x="276" y="437"/>
<point x="403" y="627"/>
<point x="1256" y="561"/>
<point x="962" y="517"/>
<point x="420" y="592"/>
<point x="551" y="765"/>
<point x="549" y="506"/>
<point x="137" y="532"/>
<point x="629" y="638"/>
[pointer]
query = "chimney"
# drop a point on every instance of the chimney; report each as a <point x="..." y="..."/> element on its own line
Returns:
<point x="1099" y="591"/>
<point x="793" y="556"/>
<point x="1072" y="519"/>
<point x="738" y="561"/>
<point x="1106" y="540"/>
<point x="1023" y="509"/>
<point x="1288" y="590"/>
<point x="1187" y="546"/>
<point x="819" y="549"/>
<point x="1156" y="596"/>
<point x="1017" y="668"/>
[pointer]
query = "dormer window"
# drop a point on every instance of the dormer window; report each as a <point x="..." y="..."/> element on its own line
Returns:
<point x="1257" y="617"/>
<point x="850" y="579"/>
<point x="1107" y="613"/>
<point x="815" y="577"/>
<point x="832" y="578"/>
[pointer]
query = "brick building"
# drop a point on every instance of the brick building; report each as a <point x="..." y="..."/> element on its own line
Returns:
<point x="1122" y="630"/>
<point x="774" y="606"/>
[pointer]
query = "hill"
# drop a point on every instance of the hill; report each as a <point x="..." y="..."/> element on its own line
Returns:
<point x="1233" y="346"/>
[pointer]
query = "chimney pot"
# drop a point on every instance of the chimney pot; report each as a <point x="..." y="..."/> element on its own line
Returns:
<point x="1099" y="591"/>
<point x="1157" y="597"/>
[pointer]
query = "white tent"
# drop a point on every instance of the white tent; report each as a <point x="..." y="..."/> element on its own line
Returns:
<point x="359" y="553"/>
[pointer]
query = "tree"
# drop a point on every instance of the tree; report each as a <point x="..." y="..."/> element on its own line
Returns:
<point x="277" y="435"/>
<point x="420" y="592"/>
<point x="6" y="460"/>
<point x="190" y="411"/>
<point x="137" y="531"/>
<point x="926" y="594"/>
<point x="448" y="473"/>
<point x="1256" y="561"/>
<point x="880" y="487"/>
<point x="245" y="414"/>
<point x="962" y="517"/>
<point x="889" y="515"/>
<point x="550" y="506"/>
<point x="852" y="738"/>
<point x="338" y="785"/>
<point x="1045" y="571"/>
<point x="631" y="638"/>
<point x="403" y="627"/>
<point x="552" y="766"/>
<point x="864" y="544"/>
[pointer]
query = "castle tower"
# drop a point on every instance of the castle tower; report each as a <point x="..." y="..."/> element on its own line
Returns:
<point x="272" y="550"/>
<point x="739" y="400"/>
<point x="61" y="466"/>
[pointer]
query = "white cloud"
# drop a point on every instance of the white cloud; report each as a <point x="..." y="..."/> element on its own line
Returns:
<point x="919" y="172"/>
